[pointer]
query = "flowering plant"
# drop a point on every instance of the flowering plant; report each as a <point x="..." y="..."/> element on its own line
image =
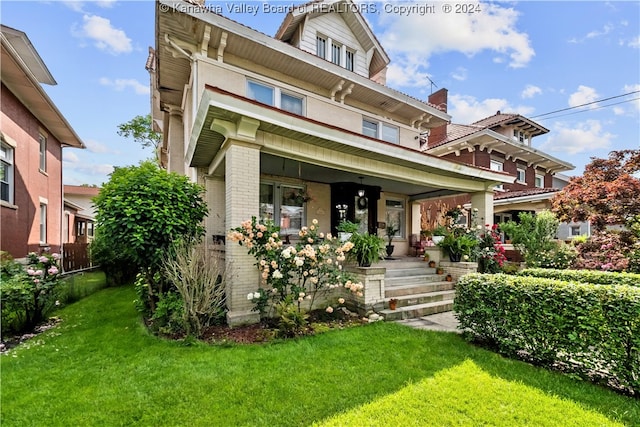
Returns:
<point x="295" y="273"/>
<point x="30" y="293"/>
<point x="491" y="253"/>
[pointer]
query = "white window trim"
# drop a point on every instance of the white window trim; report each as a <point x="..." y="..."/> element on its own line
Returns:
<point x="277" y="95"/>
<point x="380" y="124"/>
<point x="277" y="205"/>
<point x="10" y="150"/>
<point x="44" y="218"/>
<point x="400" y="234"/>
<point x="541" y="178"/>
<point x="524" y="175"/>
<point x="325" y="39"/>
<point x="42" y="143"/>
<point x="499" y="168"/>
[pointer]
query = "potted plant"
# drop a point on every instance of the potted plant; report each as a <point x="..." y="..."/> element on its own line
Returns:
<point x="439" y="270"/>
<point x="449" y="278"/>
<point x="346" y="230"/>
<point x="432" y="264"/>
<point x="458" y="246"/>
<point x="438" y="233"/>
<point x="391" y="232"/>
<point x="393" y="303"/>
<point x="366" y="248"/>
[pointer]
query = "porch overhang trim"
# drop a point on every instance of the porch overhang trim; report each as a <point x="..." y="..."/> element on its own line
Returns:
<point x="525" y="199"/>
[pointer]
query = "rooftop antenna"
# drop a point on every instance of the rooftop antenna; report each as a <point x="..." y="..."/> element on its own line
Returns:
<point x="432" y="84"/>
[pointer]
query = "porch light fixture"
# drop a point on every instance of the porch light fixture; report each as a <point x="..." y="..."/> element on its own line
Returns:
<point x="342" y="211"/>
<point x="361" y="190"/>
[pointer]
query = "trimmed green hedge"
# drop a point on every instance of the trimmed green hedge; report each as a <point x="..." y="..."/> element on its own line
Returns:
<point x="585" y="276"/>
<point x="592" y="330"/>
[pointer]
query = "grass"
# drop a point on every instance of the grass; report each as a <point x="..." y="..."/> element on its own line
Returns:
<point x="76" y="286"/>
<point x="101" y="367"/>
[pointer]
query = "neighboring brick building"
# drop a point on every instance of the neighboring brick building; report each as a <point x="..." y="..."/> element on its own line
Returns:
<point x="33" y="133"/>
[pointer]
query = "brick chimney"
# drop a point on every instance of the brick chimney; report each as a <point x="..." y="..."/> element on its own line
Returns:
<point x="439" y="99"/>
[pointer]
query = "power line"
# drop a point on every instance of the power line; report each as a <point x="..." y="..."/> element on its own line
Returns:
<point x="585" y="104"/>
<point x="592" y="109"/>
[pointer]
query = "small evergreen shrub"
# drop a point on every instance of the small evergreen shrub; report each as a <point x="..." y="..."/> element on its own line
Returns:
<point x="585" y="276"/>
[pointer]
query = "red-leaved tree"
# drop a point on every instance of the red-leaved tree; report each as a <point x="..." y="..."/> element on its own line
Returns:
<point x="607" y="192"/>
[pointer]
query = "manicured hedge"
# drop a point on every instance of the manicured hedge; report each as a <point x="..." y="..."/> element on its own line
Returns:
<point x="585" y="276"/>
<point x="592" y="330"/>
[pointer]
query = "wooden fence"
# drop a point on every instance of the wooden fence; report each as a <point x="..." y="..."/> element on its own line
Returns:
<point x="75" y="256"/>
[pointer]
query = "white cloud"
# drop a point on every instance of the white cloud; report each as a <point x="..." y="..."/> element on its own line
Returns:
<point x="466" y="109"/>
<point x="582" y="137"/>
<point x="583" y="95"/>
<point x="122" y="84"/>
<point x="78" y="6"/>
<point x="634" y="42"/>
<point x="530" y="91"/>
<point x="412" y="39"/>
<point x="97" y="147"/>
<point x="104" y="35"/>
<point x="460" y="73"/>
<point x="70" y="156"/>
<point x="606" y="29"/>
<point x="632" y="108"/>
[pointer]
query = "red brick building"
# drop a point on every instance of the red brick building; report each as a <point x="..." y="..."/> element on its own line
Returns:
<point x="33" y="133"/>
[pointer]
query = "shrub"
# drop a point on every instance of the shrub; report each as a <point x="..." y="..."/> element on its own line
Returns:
<point x="533" y="236"/>
<point x="168" y="317"/>
<point x="28" y="294"/>
<point x="201" y="282"/>
<point x="141" y="211"/>
<point x="585" y="276"/>
<point x="592" y="330"/>
<point x="491" y="253"/>
<point x="605" y="250"/>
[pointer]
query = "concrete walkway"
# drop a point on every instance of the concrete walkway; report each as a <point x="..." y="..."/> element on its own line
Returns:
<point x="444" y="322"/>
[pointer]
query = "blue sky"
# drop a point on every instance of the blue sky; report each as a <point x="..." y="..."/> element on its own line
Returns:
<point x="532" y="58"/>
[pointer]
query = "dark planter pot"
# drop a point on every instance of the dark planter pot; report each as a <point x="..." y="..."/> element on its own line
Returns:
<point x="390" y="249"/>
<point x="454" y="257"/>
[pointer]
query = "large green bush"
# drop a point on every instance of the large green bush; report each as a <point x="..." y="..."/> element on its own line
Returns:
<point x="141" y="212"/>
<point x="585" y="276"/>
<point x="592" y="330"/>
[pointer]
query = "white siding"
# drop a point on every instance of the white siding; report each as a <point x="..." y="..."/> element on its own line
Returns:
<point x="334" y="28"/>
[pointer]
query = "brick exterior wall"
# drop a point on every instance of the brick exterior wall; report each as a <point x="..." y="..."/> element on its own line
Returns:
<point x="20" y="229"/>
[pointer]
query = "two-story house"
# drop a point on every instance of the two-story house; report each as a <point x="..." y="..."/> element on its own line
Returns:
<point x="501" y="142"/>
<point x="33" y="133"/>
<point x="79" y="213"/>
<point x="296" y="127"/>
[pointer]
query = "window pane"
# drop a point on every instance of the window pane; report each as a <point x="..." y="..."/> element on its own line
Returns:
<point x="321" y="47"/>
<point x="291" y="103"/>
<point x="43" y="153"/>
<point x="43" y="223"/>
<point x="370" y="128"/>
<point x="350" y="60"/>
<point x="260" y="93"/>
<point x="496" y="166"/>
<point x="395" y="216"/>
<point x="389" y="133"/>
<point x="335" y="54"/>
<point x="291" y="209"/>
<point x="266" y="202"/>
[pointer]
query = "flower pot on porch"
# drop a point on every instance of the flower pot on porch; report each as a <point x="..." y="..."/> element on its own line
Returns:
<point x="432" y="264"/>
<point x="390" y="249"/>
<point x="455" y="257"/>
<point x="449" y="278"/>
<point x="439" y="270"/>
<point x="393" y="304"/>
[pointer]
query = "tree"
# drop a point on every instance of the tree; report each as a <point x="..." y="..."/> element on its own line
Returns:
<point x="607" y="192"/>
<point x="142" y="211"/>
<point x="533" y="235"/>
<point x="140" y="129"/>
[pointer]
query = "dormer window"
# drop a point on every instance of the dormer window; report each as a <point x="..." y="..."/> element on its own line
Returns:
<point x="520" y="136"/>
<point x="350" y="59"/>
<point x="336" y="52"/>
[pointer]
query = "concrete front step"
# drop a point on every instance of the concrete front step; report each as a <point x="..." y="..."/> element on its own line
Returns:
<point x="392" y="282"/>
<point x="403" y="263"/>
<point x="414" y="289"/>
<point x="418" y="310"/>
<point x="415" y="299"/>
<point x="409" y="271"/>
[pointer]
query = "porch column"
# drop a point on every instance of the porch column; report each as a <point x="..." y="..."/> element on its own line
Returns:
<point x="483" y="201"/>
<point x="416" y="219"/>
<point x="176" y="141"/>
<point x="242" y="191"/>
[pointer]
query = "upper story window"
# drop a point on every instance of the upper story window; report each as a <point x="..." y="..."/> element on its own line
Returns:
<point x="336" y="53"/>
<point x="380" y="130"/>
<point x="6" y="173"/>
<point x="43" y="152"/>
<point x="349" y="60"/>
<point x="521" y="176"/>
<point x="275" y="97"/>
<point x="321" y="47"/>
<point x="499" y="167"/>
<point x="539" y="180"/>
<point x="520" y="136"/>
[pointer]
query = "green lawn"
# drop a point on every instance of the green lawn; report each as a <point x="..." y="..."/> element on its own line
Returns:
<point x="101" y="367"/>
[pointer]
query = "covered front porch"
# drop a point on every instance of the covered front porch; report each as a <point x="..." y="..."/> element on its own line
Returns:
<point x="263" y="162"/>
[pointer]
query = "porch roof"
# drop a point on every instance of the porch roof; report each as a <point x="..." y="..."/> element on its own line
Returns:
<point x="326" y="146"/>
